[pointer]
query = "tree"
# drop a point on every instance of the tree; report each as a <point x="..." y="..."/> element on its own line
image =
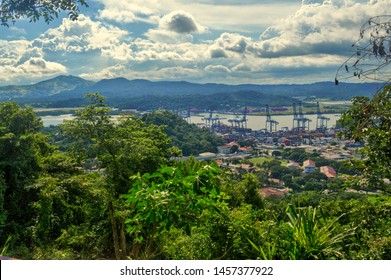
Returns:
<point x="13" y="10"/>
<point x="22" y="147"/>
<point x="172" y="197"/>
<point x="120" y="149"/>
<point x="369" y="120"/>
<point x="70" y="211"/>
<point x="189" y="138"/>
<point x="276" y="153"/>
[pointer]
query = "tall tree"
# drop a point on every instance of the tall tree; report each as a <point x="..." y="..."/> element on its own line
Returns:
<point x="119" y="148"/>
<point x="21" y="149"/>
<point x="369" y="120"/>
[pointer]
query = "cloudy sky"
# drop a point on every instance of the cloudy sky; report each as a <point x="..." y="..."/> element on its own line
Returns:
<point x="224" y="41"/>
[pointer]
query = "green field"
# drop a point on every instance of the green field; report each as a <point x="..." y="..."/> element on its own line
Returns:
<point x="261" y="160"/>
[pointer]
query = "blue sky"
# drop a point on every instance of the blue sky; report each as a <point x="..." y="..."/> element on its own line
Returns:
<point x="227" y="41"/>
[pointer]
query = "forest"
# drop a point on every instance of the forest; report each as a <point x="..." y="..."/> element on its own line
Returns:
<point x="98" y="188"/>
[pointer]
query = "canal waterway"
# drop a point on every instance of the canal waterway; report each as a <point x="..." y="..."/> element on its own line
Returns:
<point x="253" y="122"/>
<point x="259" y="122"/>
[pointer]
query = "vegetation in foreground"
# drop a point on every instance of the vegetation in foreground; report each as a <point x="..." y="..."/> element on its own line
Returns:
<point x="113" y="192"/>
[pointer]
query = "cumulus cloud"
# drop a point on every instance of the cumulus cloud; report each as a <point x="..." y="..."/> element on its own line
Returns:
<point x="177" y="26"/>
<point x="221" y="15"/>
<point x="218" y="69"/>
<point x="233" y="45"/>
<point x="177" y="45"/>
<point x="39" y="67"/>
<point x="81" y="36"/>
<point x="161" y="73"/>
<point x="11" y="51"/>
<point x="217" y="52"/>
<point x="29" y="70"/>
<point x="19" y="61"/>
<point x="126" y="11"/>
<point x="181" y="22"/>
<point x="318" y="27"/>
<point x="242" y="67"/>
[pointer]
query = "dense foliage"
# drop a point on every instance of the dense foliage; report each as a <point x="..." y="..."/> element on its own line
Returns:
<point x="114" y="193"/>
<point x="189" y="138"/>
<point x="369" y="120"/>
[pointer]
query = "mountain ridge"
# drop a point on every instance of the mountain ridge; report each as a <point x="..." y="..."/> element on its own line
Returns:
<point x="71" y="87"/>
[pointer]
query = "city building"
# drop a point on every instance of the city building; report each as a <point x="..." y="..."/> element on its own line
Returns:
<point x="309" y="166"/>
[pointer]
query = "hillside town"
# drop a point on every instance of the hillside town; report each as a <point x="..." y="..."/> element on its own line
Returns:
<point x="247" y="151"/>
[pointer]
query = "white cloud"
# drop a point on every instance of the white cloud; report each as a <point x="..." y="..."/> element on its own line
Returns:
<point x="242" y="67"/>
<point x="10" y="51"/>
<point x="218" y="69"/>
<point x="39" y="67"/>
<point x="167" y="36"/>
<point x="232" y="45"/>
<point x="22" y="63"/>
<point x="234" y="15"/>
<point x="126" y="11"/>
<point x="182" y="42"/>
<point x="145" y="50"/>
<point x="176" y="27"/>
<point x="155" y="74"/>
<point x="34" y="68"/>
<point x="181" y="22"/>
<point x="81" y="36"/>
<point x="319" y="27"/>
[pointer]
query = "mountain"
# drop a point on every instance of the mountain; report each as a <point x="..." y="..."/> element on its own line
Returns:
<point x="72" y="89"/>
<point x="45" y="88"/>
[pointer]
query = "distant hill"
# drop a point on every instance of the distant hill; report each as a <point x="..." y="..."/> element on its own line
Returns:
<point x="217" y="101"/>
<point x="45" y="88"/>
<point x="70" y="90"/>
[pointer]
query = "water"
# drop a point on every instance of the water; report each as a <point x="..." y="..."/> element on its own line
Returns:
<point x="55" y="120"/>
<point x="253" y="122"/>
<point x="259" y="122"/>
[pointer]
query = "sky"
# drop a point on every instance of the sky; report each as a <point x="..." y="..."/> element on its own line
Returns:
<point x="206" y="41"/>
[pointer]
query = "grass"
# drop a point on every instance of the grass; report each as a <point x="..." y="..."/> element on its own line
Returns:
<point x="261" y="160"/>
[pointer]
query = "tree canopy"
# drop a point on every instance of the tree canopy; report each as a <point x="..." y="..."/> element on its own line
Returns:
<point x="189" y="138"/>
<point x="369" y="120"/>
<point x="13" y="10"/>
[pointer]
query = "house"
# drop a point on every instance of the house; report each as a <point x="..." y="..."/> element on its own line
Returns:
<point x="266" y="192"/>
<point x="277" y="182"/>
<point x="328" y="171"/>
<point x="309" y="166"/>
<point x="224" y="150"/>
<point x="227" y="149"/>
<point x="247" y="168"/>
<point x="293" y="165"/>
<point x="245" y="150"/>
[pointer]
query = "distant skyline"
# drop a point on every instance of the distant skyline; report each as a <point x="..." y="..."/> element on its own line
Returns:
<point x="217" y="41"/>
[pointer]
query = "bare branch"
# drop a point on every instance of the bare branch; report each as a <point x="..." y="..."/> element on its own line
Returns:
<point x="372" y="55"/>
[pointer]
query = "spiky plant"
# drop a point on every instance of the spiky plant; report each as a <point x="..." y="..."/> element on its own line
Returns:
<point x="312" y="237"/>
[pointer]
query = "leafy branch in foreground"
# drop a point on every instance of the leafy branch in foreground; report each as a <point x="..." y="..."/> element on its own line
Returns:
<point x="369" y="120"/>
<point x="172" y="197"/>
<point x="11" y="10"/>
